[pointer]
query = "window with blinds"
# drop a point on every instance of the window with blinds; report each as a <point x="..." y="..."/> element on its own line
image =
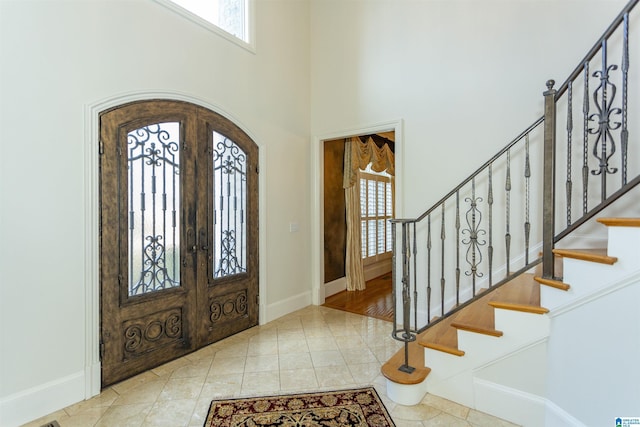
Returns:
<point x="376" y="208"/>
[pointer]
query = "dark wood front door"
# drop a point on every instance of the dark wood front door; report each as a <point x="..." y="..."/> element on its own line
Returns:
<point x="179" y="233"/>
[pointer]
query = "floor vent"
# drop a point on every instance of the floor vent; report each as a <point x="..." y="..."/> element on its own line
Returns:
<point x="52" y="424"/>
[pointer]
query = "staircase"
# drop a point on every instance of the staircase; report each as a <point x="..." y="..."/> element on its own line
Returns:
<point x="517" y="323"/>
<point x="496" y="307"/>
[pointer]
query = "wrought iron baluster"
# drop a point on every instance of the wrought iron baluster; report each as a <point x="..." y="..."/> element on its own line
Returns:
<point x="624" y="134"/>
<point x="442" y="279"/>
<point x="428" y="268"/>
<point x="490" y="207"/>
<point x="604" y="138"/>
<point x="585" y="140"/>
<point x="507" y="189"/>
<point x="406" y="299"/>
<point x="474" y="217"/>
<point x="568" y="184"/>
<point x="457" y="247"/>
<point x="415" y="277"/>
<point x="527" y="186"/>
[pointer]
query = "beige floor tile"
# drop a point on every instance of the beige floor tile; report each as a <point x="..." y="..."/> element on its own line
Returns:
<point x="86" y="418"/>
<point x="181" y="389"/>
<point x="132" y="382"/>
<point x="327" y="358"/>
<point x="200" y="411"/>
<point x="295" y="361"/>
<point x="292" y="346"/>
<point x="168" y="368"/>
<point x="262" y="348"/>
<point x="322" y="343"/>
<point x="125" y="415"/>
<point x="445" y="405"/>
<point x="350" y="341"/>
<point x="480" y="419"/>
<point x="222" y="385"/>
<point x="236" y="349"/>
<point x="364" y="373"/>
<point x="174" y="413"/>
<point x="358" y="355"/>
<point x="199" y="368"/>
<point x="257" y="383"/>
<point x="262" y="363"/>
<point x="229" y="365"/>
<point x="291" y="335"/>
<point x="104" y="399"/>
<point x="416" y="412"/>
<point x="144" y="393"/>
<point x="313" y="349"/>
<point x="446" y="420"/>
<point x="298" y="379"/>
<point x="334" y="376"/>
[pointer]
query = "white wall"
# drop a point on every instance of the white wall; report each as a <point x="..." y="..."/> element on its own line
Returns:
<point x="57" y="60"/>
<point x="465" y="76"/>
<point x="593" y="358"/>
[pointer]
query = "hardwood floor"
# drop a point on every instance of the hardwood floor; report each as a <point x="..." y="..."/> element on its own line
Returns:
<point x="375" y="301"/>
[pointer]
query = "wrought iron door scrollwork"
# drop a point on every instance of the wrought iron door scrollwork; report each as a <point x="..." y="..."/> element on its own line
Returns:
<point x="230" y="192"/>
<point x="153" y="167"/>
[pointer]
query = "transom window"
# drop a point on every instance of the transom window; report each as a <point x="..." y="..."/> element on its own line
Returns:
<point x="228" y="17"/>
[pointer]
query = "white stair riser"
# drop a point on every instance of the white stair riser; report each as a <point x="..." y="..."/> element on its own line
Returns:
<point x="624" y="243"/>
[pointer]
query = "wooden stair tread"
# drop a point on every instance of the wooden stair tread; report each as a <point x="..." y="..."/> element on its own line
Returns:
<point x="526" y="308"/>
<point x="479" y="316"/>
<point x="416" y="360"/>
<point x="620" y="222"/>
<point x="592" y="255"/>
<point x="441" y="336"/>
<point x="558" y="284"/>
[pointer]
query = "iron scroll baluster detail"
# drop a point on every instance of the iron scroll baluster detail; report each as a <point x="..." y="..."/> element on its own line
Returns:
<point x="153" y="166"/>
<point x="473" y="217"/>
<point x="230" y="178"/>
<point x="604" y="146"/>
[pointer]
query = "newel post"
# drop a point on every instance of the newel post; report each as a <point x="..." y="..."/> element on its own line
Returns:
<point x="548" y="201"/>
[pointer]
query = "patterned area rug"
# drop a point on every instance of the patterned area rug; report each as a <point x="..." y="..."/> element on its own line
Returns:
<point x="360" y="407"/>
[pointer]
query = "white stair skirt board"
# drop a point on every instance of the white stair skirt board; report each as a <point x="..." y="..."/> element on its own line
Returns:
<point x="457" y="388"/>
<point x="406" y="394"/>
<point x="510" y="404"/>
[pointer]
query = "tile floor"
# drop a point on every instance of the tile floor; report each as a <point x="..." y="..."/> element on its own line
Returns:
<point x="313" y="349"/>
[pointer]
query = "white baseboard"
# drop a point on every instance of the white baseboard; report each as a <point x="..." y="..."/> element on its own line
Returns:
<point x="510" y="404"/>
<point x="289" y="305"/>
<point x="522" y="408"/>
<point x="377" y="269"/>
<point x="31" y="404"/>
<point x="558" y="417"/>
<point x="335" y="286"/>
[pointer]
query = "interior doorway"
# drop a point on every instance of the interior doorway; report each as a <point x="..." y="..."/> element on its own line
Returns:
<point x="334" y="224"/>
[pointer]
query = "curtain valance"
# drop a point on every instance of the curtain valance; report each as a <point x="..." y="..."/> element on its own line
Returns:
<point x="358" y="155"/>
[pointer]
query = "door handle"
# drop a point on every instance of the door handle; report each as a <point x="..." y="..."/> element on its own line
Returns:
<point x="203" y="240"/>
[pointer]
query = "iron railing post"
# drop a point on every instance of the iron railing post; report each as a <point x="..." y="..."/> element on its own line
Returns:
<point x="406" y="298"/>
<point x="548" y="201"/>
